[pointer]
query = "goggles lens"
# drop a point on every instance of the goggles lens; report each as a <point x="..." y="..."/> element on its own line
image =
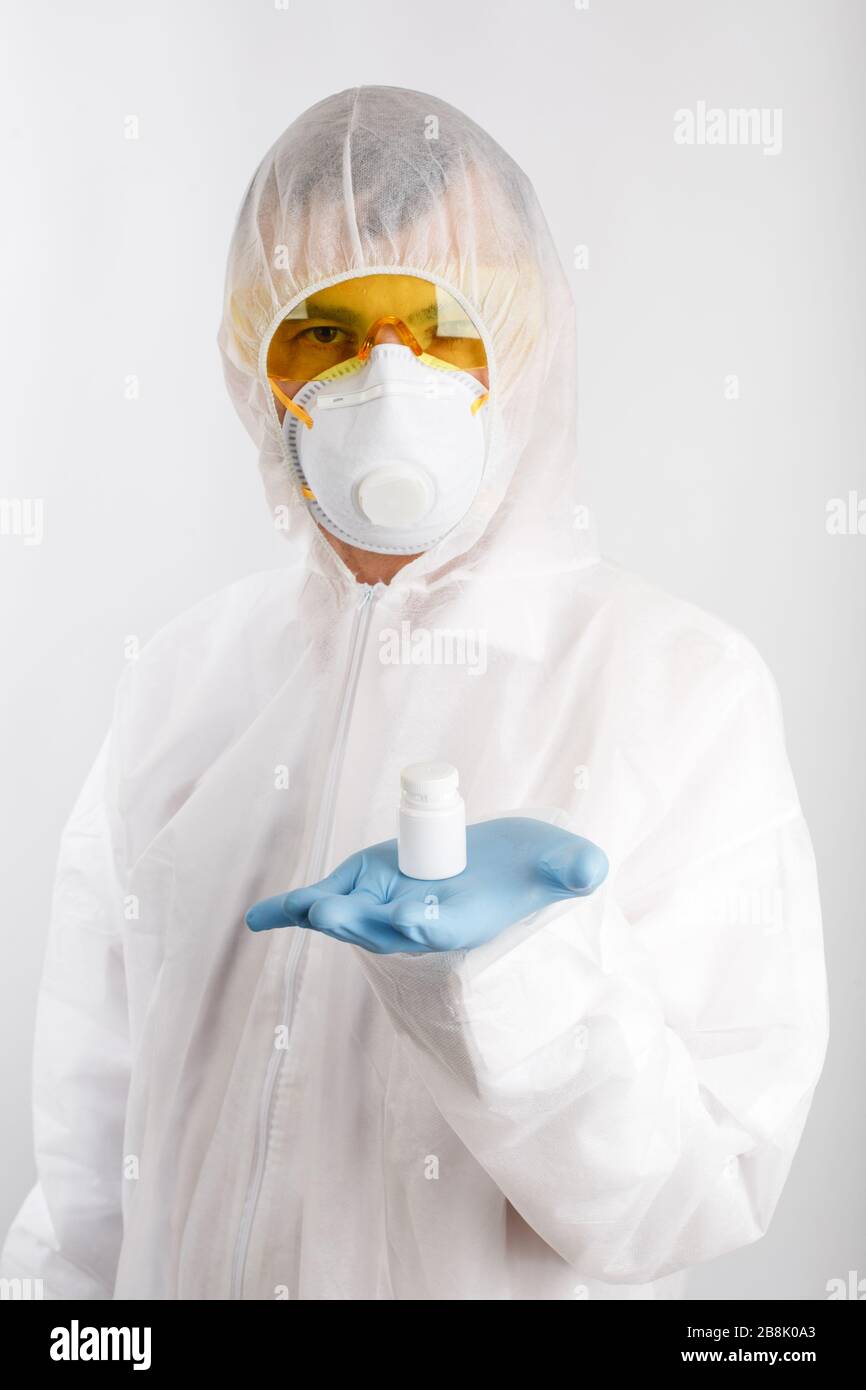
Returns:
<point x="344" y="321"/>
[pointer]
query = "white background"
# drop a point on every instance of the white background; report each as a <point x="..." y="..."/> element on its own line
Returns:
<point x="703" y="262"/>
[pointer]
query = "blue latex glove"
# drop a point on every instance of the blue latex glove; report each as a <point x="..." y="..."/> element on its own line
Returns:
<point x="515" y="867"/>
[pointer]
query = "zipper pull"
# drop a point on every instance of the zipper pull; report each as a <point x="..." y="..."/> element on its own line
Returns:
<point x="370" y="591"/>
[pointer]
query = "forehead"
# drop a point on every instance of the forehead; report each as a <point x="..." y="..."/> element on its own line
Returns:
<point x="368" y="297"/>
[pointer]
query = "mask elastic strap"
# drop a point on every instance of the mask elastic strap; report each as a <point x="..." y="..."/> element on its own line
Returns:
<point x="296" y="410"/>
<point x="300" y="414"/>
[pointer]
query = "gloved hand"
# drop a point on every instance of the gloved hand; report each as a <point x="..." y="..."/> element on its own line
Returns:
<point x="515" y="867"/>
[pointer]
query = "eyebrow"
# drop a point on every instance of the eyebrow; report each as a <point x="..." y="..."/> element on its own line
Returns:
<point x="337" y="315"/>
<point x="352" y="318"/>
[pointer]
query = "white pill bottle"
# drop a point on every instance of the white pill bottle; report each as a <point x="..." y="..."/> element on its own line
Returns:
<point x="431" y="841"/>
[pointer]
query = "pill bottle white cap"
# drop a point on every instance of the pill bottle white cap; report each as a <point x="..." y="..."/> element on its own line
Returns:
<point x="430" y="784"/>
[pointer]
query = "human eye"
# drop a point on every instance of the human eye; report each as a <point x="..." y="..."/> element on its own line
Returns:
<point x="324" y="333"/>
<point x="304" y="348"/>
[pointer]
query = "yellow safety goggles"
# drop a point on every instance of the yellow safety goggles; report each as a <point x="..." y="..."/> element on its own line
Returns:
<point x="343" y="322"/>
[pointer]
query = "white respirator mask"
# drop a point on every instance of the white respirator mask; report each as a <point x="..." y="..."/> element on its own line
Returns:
<point x="393" y="454"/>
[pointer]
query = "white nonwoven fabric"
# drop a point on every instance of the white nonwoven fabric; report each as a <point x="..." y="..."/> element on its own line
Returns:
<point x="605" y="1095"/>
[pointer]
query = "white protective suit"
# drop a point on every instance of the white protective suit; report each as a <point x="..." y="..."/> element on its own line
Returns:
<point x="606" y="1094"/>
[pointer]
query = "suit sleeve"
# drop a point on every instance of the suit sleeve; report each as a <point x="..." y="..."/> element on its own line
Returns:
<point x="68" y="1230"/>
<point x="634" y="1070"/>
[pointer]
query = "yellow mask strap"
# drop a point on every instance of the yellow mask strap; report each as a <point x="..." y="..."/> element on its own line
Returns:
<point x="296" y="410"/>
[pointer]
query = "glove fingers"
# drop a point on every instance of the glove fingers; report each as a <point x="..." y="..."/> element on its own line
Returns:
<point x="358" y="918"/>
<point x="269" y="913"/>
<point x="292" y="909"/>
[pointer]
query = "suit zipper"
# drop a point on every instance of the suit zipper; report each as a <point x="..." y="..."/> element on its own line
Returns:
<point x="318" y="860"/>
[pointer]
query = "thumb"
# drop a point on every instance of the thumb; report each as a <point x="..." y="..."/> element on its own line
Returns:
<point x="578" y="868"/>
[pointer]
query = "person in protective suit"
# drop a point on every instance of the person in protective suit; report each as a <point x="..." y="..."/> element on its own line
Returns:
<point x="268" y="1065"/>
